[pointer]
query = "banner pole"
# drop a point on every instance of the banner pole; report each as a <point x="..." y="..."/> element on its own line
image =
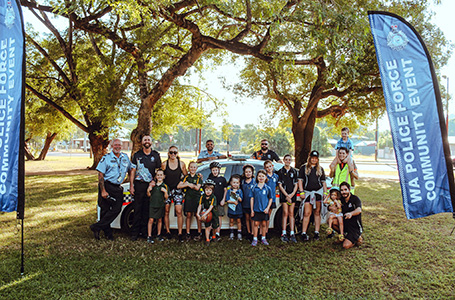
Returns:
<point x="22" y="248"/>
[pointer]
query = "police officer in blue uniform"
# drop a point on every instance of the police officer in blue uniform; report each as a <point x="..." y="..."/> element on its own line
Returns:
<point x="144" y="162"/>
<point x="112" y="170"/>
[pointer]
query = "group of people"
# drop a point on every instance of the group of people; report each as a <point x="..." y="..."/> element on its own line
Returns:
<point x="155" y="185"/>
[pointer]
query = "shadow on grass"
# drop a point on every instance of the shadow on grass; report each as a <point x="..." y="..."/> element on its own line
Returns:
<point x="401" y="258"/>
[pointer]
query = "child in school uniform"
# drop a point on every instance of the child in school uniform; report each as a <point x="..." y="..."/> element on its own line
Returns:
<point x="246" y="186"/>
<point x="234" y="197"/>
<point x="219" y="192"/>
<point x="261" y="201"/>
<point x="158" y="196"/>
<point x="288" y="186"/>
<point x="191" y="185"/>
<point x="272" y="182"/>
<point x="207" y="203"/>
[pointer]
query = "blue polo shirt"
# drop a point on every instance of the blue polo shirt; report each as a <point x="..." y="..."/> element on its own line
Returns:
<point x="261" y="197"/>
<point x="246" y="189"/>
<point x="272" y="182"/>
<point x="232" y="208"/>
<point x="206" y="154"/>
<point x="114" y="168"/>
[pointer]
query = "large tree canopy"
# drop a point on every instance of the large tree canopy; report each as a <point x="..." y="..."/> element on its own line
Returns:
<point x="315" y="57"/>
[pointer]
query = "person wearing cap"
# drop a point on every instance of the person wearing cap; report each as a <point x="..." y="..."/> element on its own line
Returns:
<point x="219" y="191"/>
<point x="313" y="187"/>
<point x="351" y="207"/>
<point x="209" y="154"/>
<point x="346" y="171"/>
<point x="333" y="202"/>
<point x="265" y="153"/>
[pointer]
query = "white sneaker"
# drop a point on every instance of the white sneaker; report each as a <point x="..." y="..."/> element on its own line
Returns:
<point x="231" y="236"/>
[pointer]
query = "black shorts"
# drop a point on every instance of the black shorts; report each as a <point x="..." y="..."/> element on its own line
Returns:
<point x="260" y="216"/>
<point x="352" y="230"/>
<point x="231" y="216"/>
<point x="283" y="199"/>
<point x="273" y="206"/>
<point x="318" y="198"/>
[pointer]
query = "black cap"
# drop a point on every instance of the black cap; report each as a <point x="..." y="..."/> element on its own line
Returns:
<point x="314" y="153"/>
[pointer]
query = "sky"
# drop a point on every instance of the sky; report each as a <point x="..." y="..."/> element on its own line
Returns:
<point x="249" y="111"/>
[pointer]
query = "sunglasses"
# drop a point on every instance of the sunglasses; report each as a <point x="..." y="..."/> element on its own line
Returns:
<point x="264" y="144"/>
<point x="173" y="152"/>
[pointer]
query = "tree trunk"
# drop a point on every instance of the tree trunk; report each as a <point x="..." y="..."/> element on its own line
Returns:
<point x="47" y="144"/>
<point x="303" y="137"/>
<point x="98" y="144"/>
<point x="28" y="154"/>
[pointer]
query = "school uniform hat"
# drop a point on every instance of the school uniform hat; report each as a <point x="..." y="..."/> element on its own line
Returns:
<point x="208" y="182"/>
<point x="314" y="153"/>
<point x="215" y="164"/>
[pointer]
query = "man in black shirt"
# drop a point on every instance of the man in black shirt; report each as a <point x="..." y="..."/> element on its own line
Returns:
<point x="265" y="153"/>
<point x="351" y="207"/>
<point x="145" y="162"/>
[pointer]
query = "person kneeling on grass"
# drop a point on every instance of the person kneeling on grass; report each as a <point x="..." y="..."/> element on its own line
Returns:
<point x="351" y="207"/>
<point x="261" y="200"/>
<point x="207" y="202"/>
<point x="158" y="195"/>
<point x="333" y="201"/>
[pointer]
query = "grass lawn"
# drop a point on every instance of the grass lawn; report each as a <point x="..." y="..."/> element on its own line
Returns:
<point x="400" y="259"/>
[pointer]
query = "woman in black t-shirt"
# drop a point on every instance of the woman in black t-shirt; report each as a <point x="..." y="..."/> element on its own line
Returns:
<point x="312" y="185"/>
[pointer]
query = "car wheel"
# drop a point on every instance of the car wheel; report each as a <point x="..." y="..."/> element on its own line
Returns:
<point x="126" y="221"/>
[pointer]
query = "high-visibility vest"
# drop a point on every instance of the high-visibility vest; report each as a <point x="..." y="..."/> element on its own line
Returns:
<point x="341" y="175"/>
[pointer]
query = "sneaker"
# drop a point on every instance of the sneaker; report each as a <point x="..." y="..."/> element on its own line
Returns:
<point x="134" y="237"/>
<point x="284" y="238"/>
<point x="293" y="239"/>
<point x="188" y="237"/>
<point x="316" y="236"/>
<point x="264" y="242"/>
<point x="231" y="236"/>
<point x="341" y="237"/>
<point x="168" y="235"/>
<point x="254" y="243"/>
<point x="218" y="238"/>
<point x="207" y="243"/>
<point x="160" y="238"/>
<point x="96" y="232"/>
<point x="198" y="237"/>
<point x="181" y="239"/>
<point x="239" y="236"/>
<point x="305" y="237"/>
<point x="150" y="240"/>
<point x="329" y="231"/>
<point x="330" y="235"/>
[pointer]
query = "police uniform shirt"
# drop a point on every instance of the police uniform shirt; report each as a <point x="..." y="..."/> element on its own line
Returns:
<point x="206" y="154"/>
<point x="288" y="179"/>
<point x="269" y="155"/>
<point x="272" y="182"/>
<point x="261" y="197"/>
<point x="146" y="165"/>
<point x="114" y="168"/>
<point x="220" y="184"/>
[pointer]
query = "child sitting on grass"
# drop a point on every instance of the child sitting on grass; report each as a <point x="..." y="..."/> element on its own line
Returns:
<point x="333" y="201"/>
<point x="158" y="196"/>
